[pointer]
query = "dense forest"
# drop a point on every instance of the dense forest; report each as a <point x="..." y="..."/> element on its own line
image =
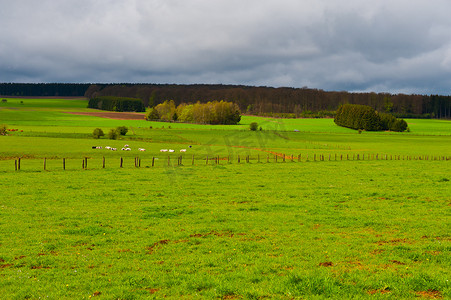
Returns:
<point x="43" y="89"/>
<point x="253" y="100"/>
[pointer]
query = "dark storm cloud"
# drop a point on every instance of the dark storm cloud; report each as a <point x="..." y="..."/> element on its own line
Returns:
<point x="394" y="46"/>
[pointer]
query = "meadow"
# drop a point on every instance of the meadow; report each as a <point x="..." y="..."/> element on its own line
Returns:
<point x="348" y="229"/>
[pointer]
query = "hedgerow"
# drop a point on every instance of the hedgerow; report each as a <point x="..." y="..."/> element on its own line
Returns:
<point x="116" y="104"/>
<point x="363" y="117"/>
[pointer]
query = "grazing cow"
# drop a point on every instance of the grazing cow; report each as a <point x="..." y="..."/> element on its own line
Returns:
<point x="171" y="150"/>
<point x="164" y="150"/>
<point x="108" y="147"/>
<point x="126" y="146"/>
<point x="113" y="149"/>
<point x="94" y="147"/>
<point x="182" y="150"/>
<point x="128" y="149"/>
<point x="99" y="147"/>
<point x="141" y="149"/>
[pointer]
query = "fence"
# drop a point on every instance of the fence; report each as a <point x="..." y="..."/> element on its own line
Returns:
<point x="182" y="160"/>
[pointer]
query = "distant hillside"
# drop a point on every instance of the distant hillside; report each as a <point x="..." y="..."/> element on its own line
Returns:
<point x="273" y="101"/>
<point x="253" y="100"/>
<point x="43" y="89"/>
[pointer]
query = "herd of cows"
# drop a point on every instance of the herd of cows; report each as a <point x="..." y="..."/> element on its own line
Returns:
<point x="127" y="148"/>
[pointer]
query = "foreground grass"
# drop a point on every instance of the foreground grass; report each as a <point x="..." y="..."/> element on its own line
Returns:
<point x="316" y="230"/>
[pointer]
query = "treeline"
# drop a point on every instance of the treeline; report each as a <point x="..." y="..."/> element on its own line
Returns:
<point x="293" y="102"/>
<point x="363" y="117"/>
<point x="44" y="89"/>
<point x="215" y="112"/>
<point x="112" y="103"/>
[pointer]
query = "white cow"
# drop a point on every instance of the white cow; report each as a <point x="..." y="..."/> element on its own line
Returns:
<point x="182" y="150"/>
<point x="171" y="150"/>
<point x="164" y="150"/>
<point x="141" y="149"/>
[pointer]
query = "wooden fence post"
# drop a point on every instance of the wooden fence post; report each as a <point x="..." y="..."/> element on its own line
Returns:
<point x="238" y="158"/>
<point x="15" y="164"/>
<point x="44" y="163"/>
<point x="103" y="162"/>
<point x="18" y="164"/>
<point x="122" y="161"/>
<point x="64" y="164"/>
<point x="153" y="161"/>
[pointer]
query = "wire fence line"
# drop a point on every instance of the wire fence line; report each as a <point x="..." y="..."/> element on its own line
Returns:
<point x="184" y="160"/>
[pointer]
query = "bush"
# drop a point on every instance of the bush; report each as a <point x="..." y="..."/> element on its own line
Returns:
<point x="97" y="133"/>
<point x="122" y="130"/>
<point x="3" y="129"/>
<point x="253" y="126"/>
<point x="389" y="122"/>
<point x="113" y="134"/>
<point x="152" y="114"/>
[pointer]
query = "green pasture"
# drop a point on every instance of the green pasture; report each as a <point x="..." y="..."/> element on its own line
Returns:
<point x="317" y="228"/>
<point x="355" y="229"/>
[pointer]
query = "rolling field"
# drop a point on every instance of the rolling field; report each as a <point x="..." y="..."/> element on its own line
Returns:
<point x="343" y="229"/>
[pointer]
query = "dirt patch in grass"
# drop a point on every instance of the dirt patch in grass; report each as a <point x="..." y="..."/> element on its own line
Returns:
<point x="152" y="291"/>
<point x="430" y="294"/>
<point x="397" y="262"/>
<point x="384" y="291"/>
<point x="394" y="242"/>
<point x="326" y="264"/>
<point x="112" y="115"/>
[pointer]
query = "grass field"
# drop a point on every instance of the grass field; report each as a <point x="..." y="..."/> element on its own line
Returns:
<point x="342" y="229"/>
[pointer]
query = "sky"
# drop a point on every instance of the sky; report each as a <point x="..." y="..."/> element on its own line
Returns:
<point x="395" y="46"/>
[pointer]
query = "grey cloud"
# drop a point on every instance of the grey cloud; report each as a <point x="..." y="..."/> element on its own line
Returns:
<point x="353" y="45"/>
